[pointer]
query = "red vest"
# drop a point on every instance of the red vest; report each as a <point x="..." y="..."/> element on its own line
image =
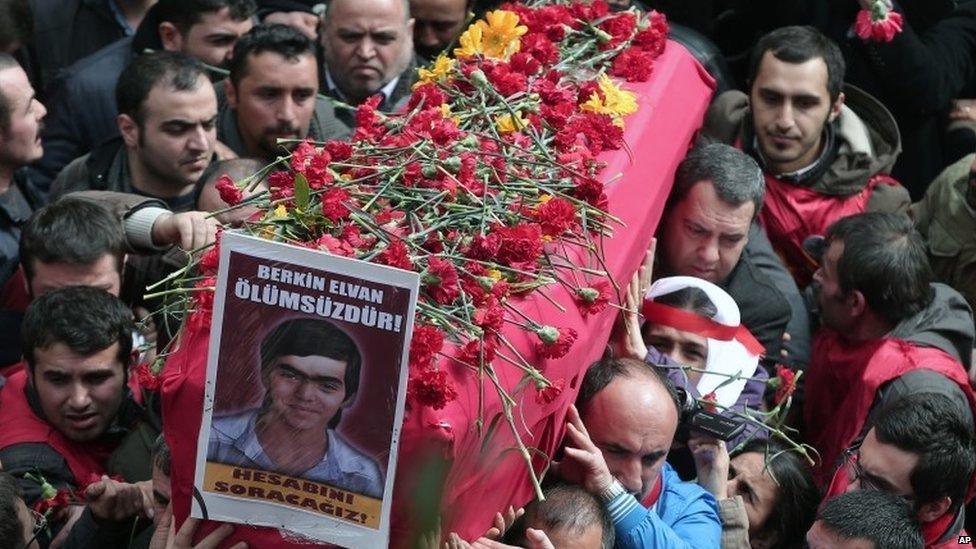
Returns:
<point x="792" y="212"/>
<point x="843" y="378"/>
<point x="20" y="425"/>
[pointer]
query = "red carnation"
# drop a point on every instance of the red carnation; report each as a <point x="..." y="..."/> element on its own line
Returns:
<point x="554" y="342"/>
<point x="708" y="402"/>
<point x="146" y="378"/>
<point x="484" y="247"/>
<point x="505" y="80"/>
<point x="491" y="317"/>
<point x="556" y="216"/>
<point x="334" y="204"/>
<point x="633" y="64"/>
<point x="396" y="255"/>
<point x="426" y="342"/>
<point x="541" y="48"/>
<point x="229" y="192"/>
<point x="879" y="24"/>
<point x="210" y="260"/>
<point x="441" y="281"/>
<point x="369" y="126"/>
<point x="317" y="173"/>
<point x="428" y="95"/>
<point x="619" y="28"/>
<point x="786" y="384"/>
<point x="654" y="38"/>
<point x="338" y="150"/>
<point x="591" y="191"/>
<point x="203" y="298"/>
<point x="478" y="352"/>
<point x="335" y="245"/>
<point x="301" y="155"/>
<point x="432" y="388"/>
<point x="519" y="243"/>
<point x="550" y="392"/>
<point x="594" y="298"/>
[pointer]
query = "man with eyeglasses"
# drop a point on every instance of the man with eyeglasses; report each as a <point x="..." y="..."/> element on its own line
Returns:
<point x="310" y="371"/>
<point x="865" y="520"/>
<point x="946" y="217"/>
<point x="19" y="525"/>
<point x="921" y="449"/>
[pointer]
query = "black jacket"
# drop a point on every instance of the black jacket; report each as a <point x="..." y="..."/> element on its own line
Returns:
<point x="65" y="31"/>
<point x="916" y="75"/>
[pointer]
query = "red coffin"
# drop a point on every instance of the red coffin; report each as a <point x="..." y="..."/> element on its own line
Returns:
<point x="481" y="479"/>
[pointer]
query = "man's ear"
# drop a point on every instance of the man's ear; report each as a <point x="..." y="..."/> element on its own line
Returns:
<point x="835" y="107"/>
<point x="857" y="303"/>
<point x="128" y="129"/>
<point x="231" y="93"/>
<point x="933" y="510"/>
<point x="170" y="36"/>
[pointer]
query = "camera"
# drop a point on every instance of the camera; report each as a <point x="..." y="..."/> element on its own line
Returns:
<point x="694" y="417"/>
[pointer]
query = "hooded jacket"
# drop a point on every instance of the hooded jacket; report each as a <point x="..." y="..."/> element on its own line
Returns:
<point x="849" y="382"/>
<point x="948" y="224"/>
<point x="861" y="143"/>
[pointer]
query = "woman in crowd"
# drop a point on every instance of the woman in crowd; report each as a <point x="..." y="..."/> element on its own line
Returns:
<point x="766" y="494"/>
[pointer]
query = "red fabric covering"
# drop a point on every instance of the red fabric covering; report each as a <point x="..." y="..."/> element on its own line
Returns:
<point x="791" y="213"/>
<point x="21" y="425"/>
<point x="843" y="379"/>
<point x="485" y="478"/>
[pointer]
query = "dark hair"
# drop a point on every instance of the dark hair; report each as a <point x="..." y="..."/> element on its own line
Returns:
<point x="884" y="519"/>
<point x="566" y="507"/>
<point x="183" y="14"/>
<point x="161" y="456"/>
<point x="73" y="230"/>
<point x="734" y="175"/>
<point x="236" y="168"/>
<point x="16" y="23"/>
<point x="602" y="372"/>
<point x="691" y="299"/>
<point x="797" y="493"/>
<point x="11" y="530"/>
<point x="799" y="44"/>
<point x="87" y="320"/>
<point x="884" y="258"/>
<point x="313" y="337"/>
<point x="6" y="62"/>
<point x="177" y="71"/>
<point x="284" y="40"/>
<point x="934" y="427"/>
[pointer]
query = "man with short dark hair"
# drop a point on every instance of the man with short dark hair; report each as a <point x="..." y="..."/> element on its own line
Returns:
<point x="708" y="231"/>
<point x="865" y="520"/>
<point x="310" y="369"/>
<point x="436" y="24"/>
<point x="617" y="446"/>
<point x="68" y="412"/>
<point x="367" y="47"/>
<point x="82" y="99"/>
<point x="569" y="516"/>
<point x="18" y="524"/>
<point x="826" y="149"/>
<point x="921" y="448"/>
<point x="167" y="112"/>
<point x="272" y="94"/>
<point x="887" y="331"/>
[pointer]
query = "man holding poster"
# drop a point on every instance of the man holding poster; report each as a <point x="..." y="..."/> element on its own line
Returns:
<point x="310" y="371"/>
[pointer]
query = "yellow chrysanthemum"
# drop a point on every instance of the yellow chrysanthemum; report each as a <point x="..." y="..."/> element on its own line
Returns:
<point x="494" y="274"/>
<point x="281" y="212"/>
<point x="495" y="37"/>
<point x="506" y="123"/>
<point x="446" y="113"/>
<point x="438" y="71"/>
<point x="616" y="102"/>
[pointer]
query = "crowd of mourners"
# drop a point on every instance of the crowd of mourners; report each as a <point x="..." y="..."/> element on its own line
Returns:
<point x="817" y="253"/>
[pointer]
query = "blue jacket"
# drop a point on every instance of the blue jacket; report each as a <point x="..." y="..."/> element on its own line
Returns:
<point x="685" y="516"/>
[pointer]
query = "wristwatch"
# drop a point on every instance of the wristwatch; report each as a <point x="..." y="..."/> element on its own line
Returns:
<point x="614" y="490"/>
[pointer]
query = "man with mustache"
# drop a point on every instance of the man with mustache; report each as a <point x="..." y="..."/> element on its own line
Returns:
<point x="167" y="113"/>
<point x="826" y="149"/>
<point x="82" y="99"/>
<point x="367" y="46"/>
<point x="272" y="93"/>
